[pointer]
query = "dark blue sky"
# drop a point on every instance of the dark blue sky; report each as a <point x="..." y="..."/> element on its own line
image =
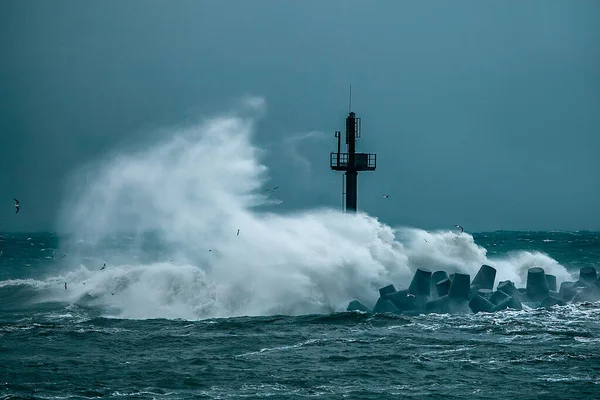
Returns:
<point x="485" y="114"/>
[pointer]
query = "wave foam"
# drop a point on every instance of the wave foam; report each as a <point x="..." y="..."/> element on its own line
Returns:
<point x="194" y="189"/>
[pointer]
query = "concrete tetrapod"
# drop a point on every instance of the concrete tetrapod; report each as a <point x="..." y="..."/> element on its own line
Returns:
<point x="588" y="275"/>
<point x="443" y="287"/>
<point x="437" y="277"/>
<point x="403" y="300"/>
<point x="384" y="306"/>
<point x="551" y="279"/>
<point x="567" y="291"/>
<point x="389" y="289"/>
<point x="498" y="297"/>
<point x="456" y="301"/>
<point x="356" y="305"/>
<point x="509" y="288"/>
<point x="511" y="302"/>
<point x="460" y="287"/>
<point x="485" y="277"/>
<point x="421" y="283"/>
<point x="479" y="304"/>
<point x="549" y="302"/>
<point x="485" y="293"/>
<point x="537" y="285"/>
<point x="458" y="295"/>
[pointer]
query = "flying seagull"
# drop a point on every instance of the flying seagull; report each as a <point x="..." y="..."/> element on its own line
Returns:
<point x="460" y="227"/>
<point x="17" y="206"/>
<point x="385" y="196"/>
<point x="272" y="189"/>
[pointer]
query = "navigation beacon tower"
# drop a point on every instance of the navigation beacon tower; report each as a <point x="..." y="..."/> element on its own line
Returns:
<point x="351" y="162"/>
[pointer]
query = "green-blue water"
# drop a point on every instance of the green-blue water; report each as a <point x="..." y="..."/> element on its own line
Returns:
<point x="57" y="343"/>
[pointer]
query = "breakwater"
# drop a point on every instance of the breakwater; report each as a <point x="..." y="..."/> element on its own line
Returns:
<point x="438" y="292"/>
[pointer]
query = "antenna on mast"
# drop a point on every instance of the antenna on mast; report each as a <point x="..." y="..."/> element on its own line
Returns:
<point x="350" y="100"/>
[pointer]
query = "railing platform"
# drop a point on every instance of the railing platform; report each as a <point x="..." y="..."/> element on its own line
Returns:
<point x="362" y="161"/>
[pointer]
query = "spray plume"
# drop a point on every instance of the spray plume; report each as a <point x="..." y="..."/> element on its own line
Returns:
<point x="185" y="196"/>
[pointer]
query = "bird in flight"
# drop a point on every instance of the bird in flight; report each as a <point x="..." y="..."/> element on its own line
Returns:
<point x="272" y="189"/>
<point x="238" y="233"/>
<point x="385" y="196"/>
<point x="17" y="206"/>
<point x="460" y="227"/>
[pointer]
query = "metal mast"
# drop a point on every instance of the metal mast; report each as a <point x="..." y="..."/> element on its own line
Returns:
<point x="351" y="162"/>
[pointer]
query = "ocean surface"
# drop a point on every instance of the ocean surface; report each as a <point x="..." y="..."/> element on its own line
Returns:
<point x="151" y="326"/>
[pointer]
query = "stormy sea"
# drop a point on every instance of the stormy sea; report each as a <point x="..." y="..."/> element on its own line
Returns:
<point x="168" y="283"/>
